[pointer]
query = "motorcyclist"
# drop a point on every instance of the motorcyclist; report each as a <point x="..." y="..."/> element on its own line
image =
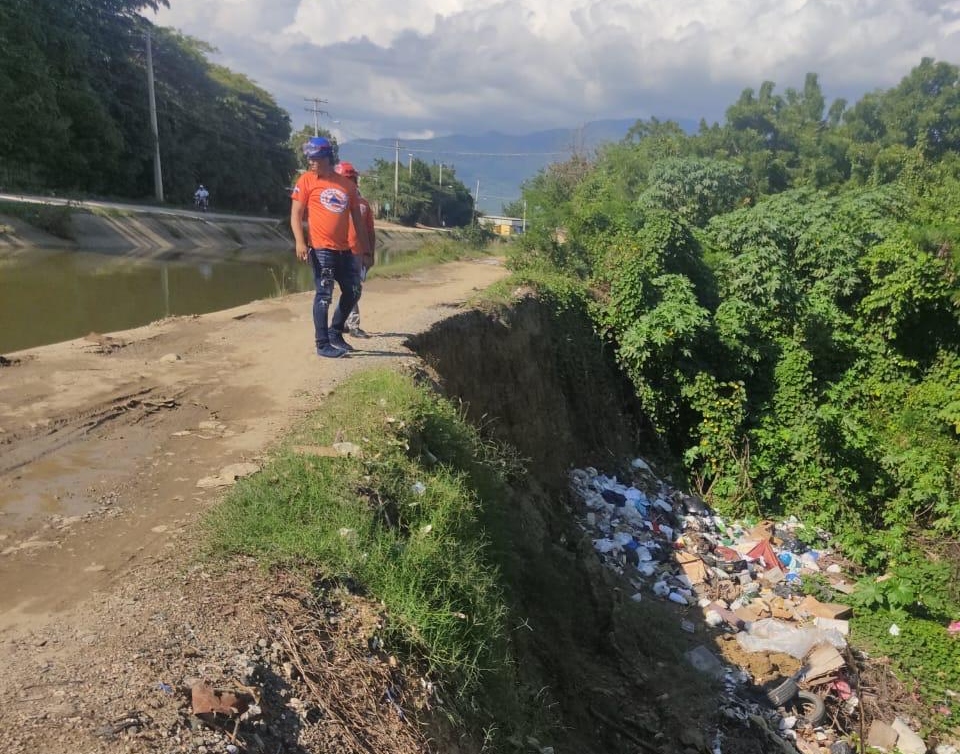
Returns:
<point x="201" y="197"/>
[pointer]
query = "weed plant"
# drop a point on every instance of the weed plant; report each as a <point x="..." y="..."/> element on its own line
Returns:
<point x="402" y="520"/>
<point x="50" y="218"/>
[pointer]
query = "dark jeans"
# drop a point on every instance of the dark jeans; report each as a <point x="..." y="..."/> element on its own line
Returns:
<point x="328" y="267"/>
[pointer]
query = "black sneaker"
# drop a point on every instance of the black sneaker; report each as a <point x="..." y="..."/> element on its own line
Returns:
<point x="356" y="332"/>
<point x="337" y="341"/>
<point x="329" y="352"/>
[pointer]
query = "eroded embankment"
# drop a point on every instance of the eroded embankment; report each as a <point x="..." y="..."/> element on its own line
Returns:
<point x="609" y="670"/>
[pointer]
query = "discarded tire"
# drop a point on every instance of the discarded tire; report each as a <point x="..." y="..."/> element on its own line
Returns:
<point x="782" y="693"/>
<point x="810" y="707"/>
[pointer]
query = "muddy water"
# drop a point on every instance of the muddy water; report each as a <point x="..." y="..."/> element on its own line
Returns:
<point x="50" y="296"/>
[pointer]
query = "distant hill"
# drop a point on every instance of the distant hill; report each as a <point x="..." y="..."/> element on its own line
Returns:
<point x="500" y="162"/>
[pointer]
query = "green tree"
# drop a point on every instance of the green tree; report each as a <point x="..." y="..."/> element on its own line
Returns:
<point x="74" y="78"/>
<point x="696" y="188"/>
<point x="420" y="197"/>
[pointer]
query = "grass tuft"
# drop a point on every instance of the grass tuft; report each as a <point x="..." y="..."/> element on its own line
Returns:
<point x="402" y="520"/>
<point x="50" y="218"/>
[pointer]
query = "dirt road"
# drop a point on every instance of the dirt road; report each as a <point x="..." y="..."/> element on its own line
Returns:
<point x="103" y="440"/>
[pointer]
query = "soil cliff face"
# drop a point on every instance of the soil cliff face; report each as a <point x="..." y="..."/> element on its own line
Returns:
<point x="538" y="380"/>
<point x="610" y="670"/>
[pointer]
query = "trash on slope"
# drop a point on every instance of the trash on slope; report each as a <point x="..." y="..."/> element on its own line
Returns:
<point x="744" y="579"/>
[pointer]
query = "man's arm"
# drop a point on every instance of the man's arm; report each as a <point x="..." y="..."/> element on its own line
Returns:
<point x="371" y="258"/>
<point x="360" y="229"/>
<point x="296" y="225"/>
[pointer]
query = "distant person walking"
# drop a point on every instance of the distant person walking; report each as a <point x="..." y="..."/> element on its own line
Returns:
<point x="348" y="171"/>
<point x="332" y="205"/>
<point x="201" y="198"/>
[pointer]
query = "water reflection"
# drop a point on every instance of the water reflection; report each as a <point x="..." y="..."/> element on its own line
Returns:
<point x="50" y="296"/>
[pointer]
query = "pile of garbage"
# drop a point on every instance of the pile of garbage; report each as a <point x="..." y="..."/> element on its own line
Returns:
<point x="743" y="580"/>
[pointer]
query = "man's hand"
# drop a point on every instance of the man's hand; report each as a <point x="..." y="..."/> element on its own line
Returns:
<point x="297" y="210"/>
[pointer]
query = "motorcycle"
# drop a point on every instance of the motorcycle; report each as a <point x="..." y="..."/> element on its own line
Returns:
<point x="201" y="203"/>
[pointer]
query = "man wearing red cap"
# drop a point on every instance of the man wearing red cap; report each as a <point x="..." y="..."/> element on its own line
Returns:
<point x="348" y="171"/>
<point x="333" y="205"/>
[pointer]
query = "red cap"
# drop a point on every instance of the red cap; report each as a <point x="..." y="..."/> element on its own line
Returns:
<point x="346" y="169"/>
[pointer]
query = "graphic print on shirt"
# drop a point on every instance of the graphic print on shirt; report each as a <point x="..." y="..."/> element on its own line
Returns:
<point x="334" y="199"/>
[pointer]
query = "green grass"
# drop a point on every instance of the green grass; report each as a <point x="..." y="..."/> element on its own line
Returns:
<point x="924" y="655"/>
<point x="50" y="218"/>
<point x="432" y="252"/>
<point x="110" y="212"/>
<point x="422" y="553"/>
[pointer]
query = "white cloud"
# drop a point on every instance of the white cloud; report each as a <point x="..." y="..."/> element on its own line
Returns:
<point x="387" y="67"/>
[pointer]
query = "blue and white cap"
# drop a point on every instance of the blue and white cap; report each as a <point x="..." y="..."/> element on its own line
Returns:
<point x="316" y="148"/>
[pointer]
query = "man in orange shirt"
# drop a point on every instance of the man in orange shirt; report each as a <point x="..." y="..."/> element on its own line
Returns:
<point x="348" y="171"/>
<point x="333" y="206"/>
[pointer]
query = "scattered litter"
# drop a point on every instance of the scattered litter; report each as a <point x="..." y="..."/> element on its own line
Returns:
<point x="741" y="578"/>
<point x="705" y="662"/>
<point x="771" y="635"/>
<point x="822" y="661"/>
<point x="207" y="702"/>
<point x="348" y="449"/>
<point x="881" y="736"/>
<point x="908" y="742"/>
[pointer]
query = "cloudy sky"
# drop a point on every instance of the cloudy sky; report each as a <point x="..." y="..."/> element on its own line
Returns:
<point x="420" y="68"/>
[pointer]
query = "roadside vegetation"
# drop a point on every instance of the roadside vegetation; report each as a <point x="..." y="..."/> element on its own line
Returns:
<point x="433" y="252"/>
<point x="413" y="538"/>
<point x="781" y="290"/>
<point x="49" y="218"/>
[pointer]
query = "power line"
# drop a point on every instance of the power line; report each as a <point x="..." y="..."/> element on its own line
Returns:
<point x="316" y="112"/>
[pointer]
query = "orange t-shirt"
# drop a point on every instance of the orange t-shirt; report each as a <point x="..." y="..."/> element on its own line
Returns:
<point x="367" y="215"/>
<point x="328" y="201"/>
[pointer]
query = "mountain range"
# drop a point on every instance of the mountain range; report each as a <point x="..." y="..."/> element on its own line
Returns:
<point x="494" y="164"/>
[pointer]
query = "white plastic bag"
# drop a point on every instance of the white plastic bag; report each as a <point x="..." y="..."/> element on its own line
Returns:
<point x="771" y="635"/>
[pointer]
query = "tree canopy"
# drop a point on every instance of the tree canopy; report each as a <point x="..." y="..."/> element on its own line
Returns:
<point x="76" y="117"/>
<point x="781" y="289"/>
<point x="427" y="194"/>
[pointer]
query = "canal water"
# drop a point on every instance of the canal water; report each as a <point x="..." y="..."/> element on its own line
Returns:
<point x="48" y="296"/>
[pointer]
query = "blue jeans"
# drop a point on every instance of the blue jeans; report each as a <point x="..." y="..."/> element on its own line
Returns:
<point x="353" y="321"/>
<point x="331" y="266"/>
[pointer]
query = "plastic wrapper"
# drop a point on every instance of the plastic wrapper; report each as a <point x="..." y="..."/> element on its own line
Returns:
<point x="771" y="635"/>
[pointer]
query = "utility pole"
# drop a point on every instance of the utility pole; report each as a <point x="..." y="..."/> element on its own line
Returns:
<point x="524" y="215"/>
<point x="316" y="112"/>
<point x="396" y="179"/>
<point x="410" y="164"/>
<point x="476" y="199"/>
<point x="441" y="175"/>
<point x="151" y="93"/>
